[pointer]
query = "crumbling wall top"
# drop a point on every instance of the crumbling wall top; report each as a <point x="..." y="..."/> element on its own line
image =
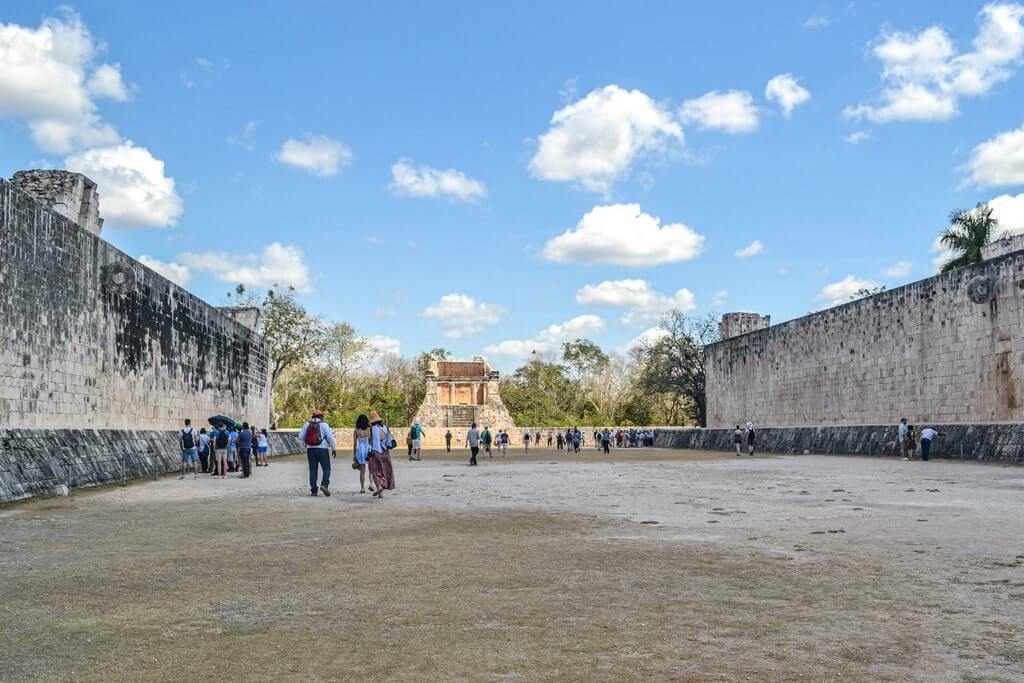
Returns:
<point x="72" y="195"/>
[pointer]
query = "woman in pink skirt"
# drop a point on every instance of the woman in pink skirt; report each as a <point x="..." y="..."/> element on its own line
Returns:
<point x="381" y="471"/>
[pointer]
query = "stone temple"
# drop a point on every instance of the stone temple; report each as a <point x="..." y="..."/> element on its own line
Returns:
<point x="460" y="393"/>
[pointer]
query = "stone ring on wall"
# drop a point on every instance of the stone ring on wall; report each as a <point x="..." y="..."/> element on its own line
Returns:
<point x="981" y="289"/>
<point x="118" y="278"/>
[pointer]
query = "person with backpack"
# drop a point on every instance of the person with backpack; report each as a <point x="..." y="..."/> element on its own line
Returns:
<point x="204" y="451"/>
<point x="319" y="441"/>
<point x="189" y="441"/>
<point x="220" y="452"/>
<point x="381" y="442"/>
<point x="233" y="448"/>
<point x="751" y="438"/>
<point x="416" y="433"/>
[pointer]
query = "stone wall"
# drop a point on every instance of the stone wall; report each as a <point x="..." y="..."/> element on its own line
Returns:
<point x="35" y="461"/>
<point x="72" y="195"/>
<point x="999" y="442"/>
<point x="946" y="349"/>
<point x="92" y="339"/>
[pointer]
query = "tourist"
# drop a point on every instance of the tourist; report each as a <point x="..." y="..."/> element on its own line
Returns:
<point x="927" y="435"/>
<point x="485" y="438"/>
<point x="204" y="450"/>
<point x="233" y="448"/>
<point x="361" y="449"/>
<point x="220" y="452"/>
<point x="473" y="441"/>
<point x="902" y="438"/>
<point x="263" y="447"/>
<point x="550" y="437"/>
<point x="319" y="441"/>
<point x="737" y="440"/>
<point x="408" y="442"/>
<point x="245" y="440"/>
<point x="577" y="439"/>
<point x="911" y="443"/>
<point x="560" y="439"/>
<point x="606" y="440"/>
<point x="417" y="434"/>
<point x="597" y="439"/>
<point x="526" y="441"/>
<point x="751" y="438"/>
<point x="448" y="441"/>
<point x="458" y="439"/>
<point x="188" y="439"/>
<point x="381" y="470"/>
<point x="503" y="443"/>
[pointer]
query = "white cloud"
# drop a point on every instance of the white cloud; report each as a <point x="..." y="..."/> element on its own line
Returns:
<point x="733" y="111"/>
<point x="999" y="161"/>
<point x="50" y="78"/>
<point x="786" y="91"/>
<point x="898" y="270"/>
<point x="1009" y="211"/>
<point x="318" y="154"/>
<point x="424" y="181"/>
<point x="247" y="140"/>
<point x="857" y="137"/>
<point x="134" y="191"/>
<point x="462" y="315"/>
<point x="623" y="235"/>
<point x="646" y="303"/>
<point x="595" y="140"/>
<point x="646" y="338"/>
<point x="388" y="346"/>
<point x="175" y="272"/>
<point x="278" y="265"/>
<point x="840" y="292"/>
<point x="550" y="338"/>
<point x="817" y="21"/>
<point x="943" y="254"/>
<point x="925" y="77"/>
<point x="719" y="298"/>
<point x="752" y="249"/>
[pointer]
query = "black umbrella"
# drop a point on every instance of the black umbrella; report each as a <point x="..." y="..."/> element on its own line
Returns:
<point x="218" y="420"/>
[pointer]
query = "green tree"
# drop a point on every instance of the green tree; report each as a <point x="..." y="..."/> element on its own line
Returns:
<point x="672" y="366"/>
<point x="968" y="233"/>
<point x="584" y="358"/>
<point x="537" y="394"/>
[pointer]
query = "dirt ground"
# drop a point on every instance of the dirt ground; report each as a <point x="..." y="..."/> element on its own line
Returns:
<point x="654" y="565"/>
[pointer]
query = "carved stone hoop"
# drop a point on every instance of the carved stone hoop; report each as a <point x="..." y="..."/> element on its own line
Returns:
<point x="118" y="278"/>
<point x="981" y="289"/>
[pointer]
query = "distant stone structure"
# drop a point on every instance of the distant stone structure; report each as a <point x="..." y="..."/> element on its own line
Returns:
<point x="947" y="349"/>
<point x="736" y="324"/>
<point x="72" y="195"/>
<point x="460" y="393"/>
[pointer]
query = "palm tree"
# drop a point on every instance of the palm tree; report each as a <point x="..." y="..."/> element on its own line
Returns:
<point x="969" y="231"/>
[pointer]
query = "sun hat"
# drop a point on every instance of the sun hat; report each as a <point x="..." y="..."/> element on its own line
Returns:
<point x="374" y="417"/>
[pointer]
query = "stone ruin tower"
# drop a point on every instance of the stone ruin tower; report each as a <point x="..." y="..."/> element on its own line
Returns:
<point x="735" y="324"/>
<point x="72" y="195"/>
<point x="460" y="393"/>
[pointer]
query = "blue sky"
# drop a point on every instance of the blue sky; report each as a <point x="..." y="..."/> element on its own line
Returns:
<point x="499" y="178"/>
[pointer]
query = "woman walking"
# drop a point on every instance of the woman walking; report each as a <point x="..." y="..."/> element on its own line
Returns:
<point x="263" y="448"/>
<point x="361" y="449"/>
<point x="381" y="470"/>
<point x="737" y="440"/>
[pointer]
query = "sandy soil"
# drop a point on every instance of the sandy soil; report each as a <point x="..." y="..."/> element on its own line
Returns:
<point x="656" y="565"/>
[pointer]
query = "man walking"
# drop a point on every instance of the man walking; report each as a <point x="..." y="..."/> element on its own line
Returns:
<point x="473" y="441"/>
<point x="416" y="433"/>
<point x="187" y="439"/>
<point x="319" y="440"/>
<point x="485" y="436"/>
<point x="448" y="441"/>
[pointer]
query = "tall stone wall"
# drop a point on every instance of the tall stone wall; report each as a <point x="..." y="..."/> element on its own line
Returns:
<point x="92" y="339"/>
<point x="947" y="349"/>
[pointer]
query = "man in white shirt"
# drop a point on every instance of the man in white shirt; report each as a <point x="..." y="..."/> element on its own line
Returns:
<point x="473" y="439"/>
<point x="319" y="440"/>
<point x="927" y="434"/>
<point x="904" y="438"/>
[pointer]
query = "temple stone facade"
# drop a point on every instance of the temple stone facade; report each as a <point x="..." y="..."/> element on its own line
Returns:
<point x="460" y="393"/>
<point x="72" y="195"/>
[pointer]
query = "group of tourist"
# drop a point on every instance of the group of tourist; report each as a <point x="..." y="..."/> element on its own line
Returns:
<point x="745" y="436"/>
<point x="372" y="444"/>
<point x="226" y="448"/>
<point x="571" y="439"/>
<point x="907" y="438"/>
